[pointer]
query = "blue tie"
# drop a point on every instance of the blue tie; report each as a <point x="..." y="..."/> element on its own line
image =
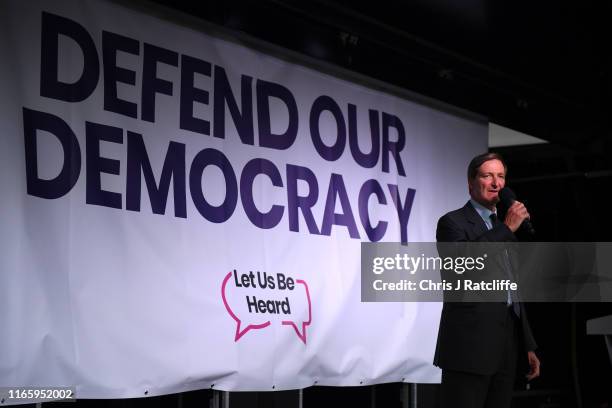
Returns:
<point x="512" y="297"/>
<point x="494" y="220"/>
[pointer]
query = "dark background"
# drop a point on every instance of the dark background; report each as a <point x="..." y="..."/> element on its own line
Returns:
<point x="539" y="67"/>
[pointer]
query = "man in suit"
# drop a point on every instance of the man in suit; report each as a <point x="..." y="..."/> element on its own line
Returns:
<point x="478" y="343"/>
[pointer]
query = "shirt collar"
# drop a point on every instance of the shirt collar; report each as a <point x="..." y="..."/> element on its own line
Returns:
<point x="483" y="211"/>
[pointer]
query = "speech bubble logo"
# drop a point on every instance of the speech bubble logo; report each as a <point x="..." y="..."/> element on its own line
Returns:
<point x="253" y="305"/>
<point x="304" y="323"/>
<point x="239" y="330"/>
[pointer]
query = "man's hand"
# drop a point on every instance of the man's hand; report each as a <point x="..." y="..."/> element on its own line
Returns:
<point x="517" y="213"/>
<point x="534" y="366"/>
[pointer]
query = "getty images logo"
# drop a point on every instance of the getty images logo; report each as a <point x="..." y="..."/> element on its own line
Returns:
<point x="413" y="264"/>
<point x="257" y="299"/>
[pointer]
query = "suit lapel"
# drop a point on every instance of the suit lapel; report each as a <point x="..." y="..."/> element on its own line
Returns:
<point x="478" y="226"/>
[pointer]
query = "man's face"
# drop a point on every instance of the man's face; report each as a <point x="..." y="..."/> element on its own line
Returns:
<point x="491" y="178"/>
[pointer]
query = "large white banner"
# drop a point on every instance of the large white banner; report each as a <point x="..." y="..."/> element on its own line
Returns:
<point x="183" y="212"/>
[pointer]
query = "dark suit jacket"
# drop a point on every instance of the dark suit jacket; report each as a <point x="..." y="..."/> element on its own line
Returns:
<point x="472" y="336"/>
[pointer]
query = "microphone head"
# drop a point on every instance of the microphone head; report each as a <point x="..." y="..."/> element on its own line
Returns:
<point x="506" y="197"/>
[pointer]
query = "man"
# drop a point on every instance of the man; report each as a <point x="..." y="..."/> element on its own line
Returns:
<point x="478" y="343"/>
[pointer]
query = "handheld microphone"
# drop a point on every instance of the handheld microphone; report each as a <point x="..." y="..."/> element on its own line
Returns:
<point x="506" y="198"/>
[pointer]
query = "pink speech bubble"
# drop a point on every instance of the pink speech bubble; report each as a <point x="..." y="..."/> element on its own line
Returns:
<point x="302" y="334"/>
<point x="239" y="332"/>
